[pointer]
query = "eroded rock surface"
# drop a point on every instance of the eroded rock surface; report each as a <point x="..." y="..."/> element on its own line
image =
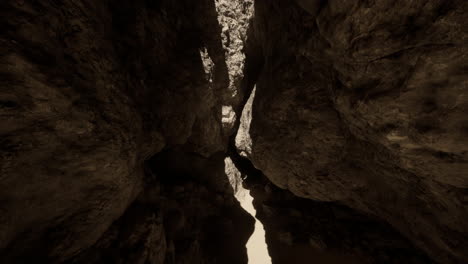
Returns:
<point x="300" y="230"/>
<point x="363" y="103"/>
<point x="112" y="138"/>
<point x="90" y="90"/>
<point x="186" y="214"/>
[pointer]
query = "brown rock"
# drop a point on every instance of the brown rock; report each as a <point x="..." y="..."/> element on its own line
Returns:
<point x="89" y="92"/>
<point x="364" y="104"/>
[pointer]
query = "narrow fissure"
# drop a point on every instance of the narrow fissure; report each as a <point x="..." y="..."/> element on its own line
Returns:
<point x="257" y="249"/>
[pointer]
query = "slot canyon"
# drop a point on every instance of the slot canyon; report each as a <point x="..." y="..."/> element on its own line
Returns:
<point x="234" y="131"/>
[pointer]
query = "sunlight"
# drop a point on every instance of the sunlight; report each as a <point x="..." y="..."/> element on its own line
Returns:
<point x="256" y="246"/>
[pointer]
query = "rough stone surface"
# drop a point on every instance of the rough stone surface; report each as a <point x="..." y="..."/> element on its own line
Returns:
<point x="90" y="90"/>
<point x="243" y="140"/>
<point x="234" y="17"/>
<point x="116" y="118"/>
<point x="364" y="103"/>
<point x="187" y="214"/>
<point x="299" y="230"/>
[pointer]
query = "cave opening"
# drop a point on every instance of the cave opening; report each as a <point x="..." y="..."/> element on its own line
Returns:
<point x="236" y="112"/>
<point x="257" y="249"/>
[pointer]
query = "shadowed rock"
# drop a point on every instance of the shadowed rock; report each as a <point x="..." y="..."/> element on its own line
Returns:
<point x="363" y="104"/>
<point x="90" y="91"/>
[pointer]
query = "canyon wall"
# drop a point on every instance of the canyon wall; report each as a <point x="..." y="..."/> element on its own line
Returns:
<point x="94" y="94"/>
<point x="116" y="118"/>
<point x="300" y="230"/>
<point x="363" y="103"/>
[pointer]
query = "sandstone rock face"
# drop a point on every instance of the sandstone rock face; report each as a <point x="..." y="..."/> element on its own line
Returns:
<point x="234" y="17"/>
<point x="116" y="118"/>
<point x="364" y="103"/>
<point x="187" y="214"/>
<point x="299" y="230"/>
<point x="90" y="90"/>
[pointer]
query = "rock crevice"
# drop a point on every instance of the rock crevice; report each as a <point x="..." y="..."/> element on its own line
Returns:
<point x="116" y="118"/>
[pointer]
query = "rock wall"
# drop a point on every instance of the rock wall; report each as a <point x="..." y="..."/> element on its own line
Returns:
<point x="300" y="230"/>
<point x="116" y="117"/>
<point x="186" y="214"/>
<point x="363" y="103"/>
<point x="91" y="92"/>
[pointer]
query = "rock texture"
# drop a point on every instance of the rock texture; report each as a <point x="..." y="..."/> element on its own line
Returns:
<point x="363" y="103"/>
<point x="234" y="17"/>
<point x="300" y="230"/>
<point x="117" y="116"/>
<point x="187" y="214"/>
<point x="90" y="91"/>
